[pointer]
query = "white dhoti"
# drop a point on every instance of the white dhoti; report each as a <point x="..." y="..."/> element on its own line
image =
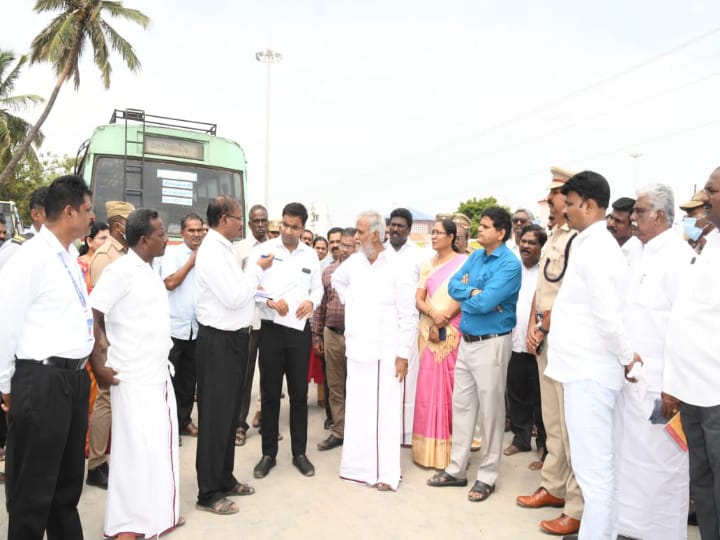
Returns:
<point x="371" y="453"/>
<point x="143" y="487"/>
<point x="409" y="387"/>
<point x="653" y="475"/>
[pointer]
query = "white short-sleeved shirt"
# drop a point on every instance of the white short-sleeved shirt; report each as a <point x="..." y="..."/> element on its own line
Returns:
<point x="137" y="319"/>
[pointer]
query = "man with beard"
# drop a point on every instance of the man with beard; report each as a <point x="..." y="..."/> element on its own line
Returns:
<point x="258" y="222"/>
<point x="692" y="368"/>
<point x="178" y="273"/>
<point x="558" y="486"/>
<point x="380" y="330"/>
<point x="329" y="339"/>
<point x="130" y="306"/>
<point x="592" y="354"/>
<point x="618" y="223"/>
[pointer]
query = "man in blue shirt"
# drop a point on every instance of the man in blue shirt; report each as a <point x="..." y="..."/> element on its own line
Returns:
<point x="487" y="288"/>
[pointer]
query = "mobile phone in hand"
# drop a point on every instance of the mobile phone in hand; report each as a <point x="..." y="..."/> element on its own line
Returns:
<point x="442" y="334"/>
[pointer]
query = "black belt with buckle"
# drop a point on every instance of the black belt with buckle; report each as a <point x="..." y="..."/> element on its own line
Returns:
<point x="340" y="331"/>
<point x="75" y="364"/>
<point x="472" y="339"/>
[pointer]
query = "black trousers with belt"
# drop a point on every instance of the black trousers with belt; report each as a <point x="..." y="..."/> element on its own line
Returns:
<point x="45" y="460"/>
<point x="182" y="357"/>
<point x="221" y="361"/>
<point x="523" y="396"/>
<point x="284" y="351"/>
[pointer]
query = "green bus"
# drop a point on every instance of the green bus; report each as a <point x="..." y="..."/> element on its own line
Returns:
<point x="174" y="166"/>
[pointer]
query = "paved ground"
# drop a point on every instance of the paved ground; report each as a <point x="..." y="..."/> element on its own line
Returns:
<point x="289" y="505"/>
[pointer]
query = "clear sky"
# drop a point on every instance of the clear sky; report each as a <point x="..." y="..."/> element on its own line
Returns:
<point x="424" y="104"/>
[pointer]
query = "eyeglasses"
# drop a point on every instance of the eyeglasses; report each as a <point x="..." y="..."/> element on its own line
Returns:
<point x="239" y="218"/>
<point x="519" y="220"/>
<point x="437" y="233"/>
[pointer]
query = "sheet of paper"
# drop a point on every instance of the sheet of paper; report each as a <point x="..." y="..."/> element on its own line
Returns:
<point x="290" y="320"/>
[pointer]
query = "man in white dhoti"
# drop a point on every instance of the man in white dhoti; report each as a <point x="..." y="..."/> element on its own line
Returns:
<point x="131" y="306"/>
<point x="591" y="349"/>
<point x="653" y="471"/>
<point x="401" y="221"/>
<point x="692" y="368"/>
<point x="380" y="325"/>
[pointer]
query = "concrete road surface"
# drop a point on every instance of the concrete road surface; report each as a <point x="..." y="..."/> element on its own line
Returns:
<point x="287" y="505"/>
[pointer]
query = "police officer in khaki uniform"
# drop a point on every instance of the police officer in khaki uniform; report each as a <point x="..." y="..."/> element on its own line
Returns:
<point x="558" y="485"/>
<point x="697" y="225"/>
<point x="113" y="249"/>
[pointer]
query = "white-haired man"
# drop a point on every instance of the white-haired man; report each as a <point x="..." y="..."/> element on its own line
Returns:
<point x="652" y="471"/>
<point x="380" y="323"/>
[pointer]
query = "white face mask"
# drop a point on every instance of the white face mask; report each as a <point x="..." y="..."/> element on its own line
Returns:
<point x="692" y="231"/>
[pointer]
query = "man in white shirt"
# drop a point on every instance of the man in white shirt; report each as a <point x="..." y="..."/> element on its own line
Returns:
<point x="653" y="472"/>
<point x="521" y="218"/>
<point x="178" y="273"/>
<point x="225" y="308"/>
<point x="293" y="288"/>
<point x="523" y="383"/>
<point x="618" y="223"/>
<point x="130" y="306"/>
<point x="400" y="226"/>
<point x="45" y="338"/>
<point x="590" y="351"/>
<point x="692" y="368"/>
<point x="380" y="331"/>
<point x="258" y="223"/>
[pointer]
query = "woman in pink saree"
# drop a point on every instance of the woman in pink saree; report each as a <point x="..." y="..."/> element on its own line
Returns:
<point x="438" y="341"/>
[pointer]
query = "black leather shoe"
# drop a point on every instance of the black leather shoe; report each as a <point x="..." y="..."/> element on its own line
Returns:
<point x="263" y="467"/>
<point x="302" y="463"/>
<point x="328" y="423"/>
<point x="331" y="442"/>
<point x="98" y="476"/>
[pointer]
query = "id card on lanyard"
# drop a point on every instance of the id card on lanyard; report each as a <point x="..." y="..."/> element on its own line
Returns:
<point x="81" y="298"/>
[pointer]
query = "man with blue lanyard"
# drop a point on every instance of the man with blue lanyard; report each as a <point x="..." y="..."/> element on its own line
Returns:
<point x="487" y="287"/>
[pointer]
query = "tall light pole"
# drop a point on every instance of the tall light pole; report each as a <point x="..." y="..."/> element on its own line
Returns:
<point x="636" y="156"/>
<point x="268" y="57"/>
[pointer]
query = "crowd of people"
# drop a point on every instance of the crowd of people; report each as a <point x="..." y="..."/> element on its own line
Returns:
<point x="592" y="336"/>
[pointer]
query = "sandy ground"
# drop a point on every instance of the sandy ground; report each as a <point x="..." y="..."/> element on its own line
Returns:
<point x="289" y="505"/>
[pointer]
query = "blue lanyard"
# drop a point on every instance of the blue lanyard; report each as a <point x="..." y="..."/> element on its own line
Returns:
<point x="80" y="295"/>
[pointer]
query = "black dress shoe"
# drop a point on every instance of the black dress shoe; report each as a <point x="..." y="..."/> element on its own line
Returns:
<point x="302" y="463"/>
<point x="263" y="467"/>
<point x="331" y="442"/>
<point x="328" y="423"/>
<point x="98" y="476"/>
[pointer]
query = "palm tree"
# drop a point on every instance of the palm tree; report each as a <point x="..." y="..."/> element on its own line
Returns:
<point x="13" y="129"/>
<point x="62" y="44"/>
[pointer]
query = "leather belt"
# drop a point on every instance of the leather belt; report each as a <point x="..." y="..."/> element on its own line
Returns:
<point x="74" y="364"/>
<point x="340" y="331"/>
<point x="472" y="339"/>
<point x="243" y="330"/>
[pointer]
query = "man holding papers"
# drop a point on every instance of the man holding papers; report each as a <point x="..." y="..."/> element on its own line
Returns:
<point x="290" y="291"/>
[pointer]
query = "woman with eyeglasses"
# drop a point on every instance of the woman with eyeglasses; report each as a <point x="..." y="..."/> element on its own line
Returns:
<point x="438" y="341"/>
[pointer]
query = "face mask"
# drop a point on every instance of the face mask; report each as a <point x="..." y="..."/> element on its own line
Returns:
<point x="691" y="231"/>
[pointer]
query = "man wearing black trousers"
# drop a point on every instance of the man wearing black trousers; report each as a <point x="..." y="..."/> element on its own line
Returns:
<point x="225" y="307"/>
<point x="294" y="289"/>
<point x="45" y="340"/>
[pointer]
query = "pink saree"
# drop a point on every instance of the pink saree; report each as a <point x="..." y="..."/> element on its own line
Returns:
<point x="433" y="400"/>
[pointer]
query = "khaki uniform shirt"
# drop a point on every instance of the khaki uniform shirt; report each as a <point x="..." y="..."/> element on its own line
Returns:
<point x="552" y="262"/>
<point x="110" y="251"/>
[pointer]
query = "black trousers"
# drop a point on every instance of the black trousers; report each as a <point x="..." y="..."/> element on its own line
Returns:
<point x="702" y="429"/>
<point x="45" y="461"/>
<point x="523" y="396"/>
<point x="284" y="351"/>
<point x="221" y="360"/>
<point x="246" y="392"/>
<point x="182" y="357"/>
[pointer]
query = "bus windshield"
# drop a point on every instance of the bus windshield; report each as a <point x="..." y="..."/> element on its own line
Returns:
<point x="172" y="188"/>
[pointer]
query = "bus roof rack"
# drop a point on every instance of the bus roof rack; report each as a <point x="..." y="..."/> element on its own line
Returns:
<point x="138" y="115"/>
